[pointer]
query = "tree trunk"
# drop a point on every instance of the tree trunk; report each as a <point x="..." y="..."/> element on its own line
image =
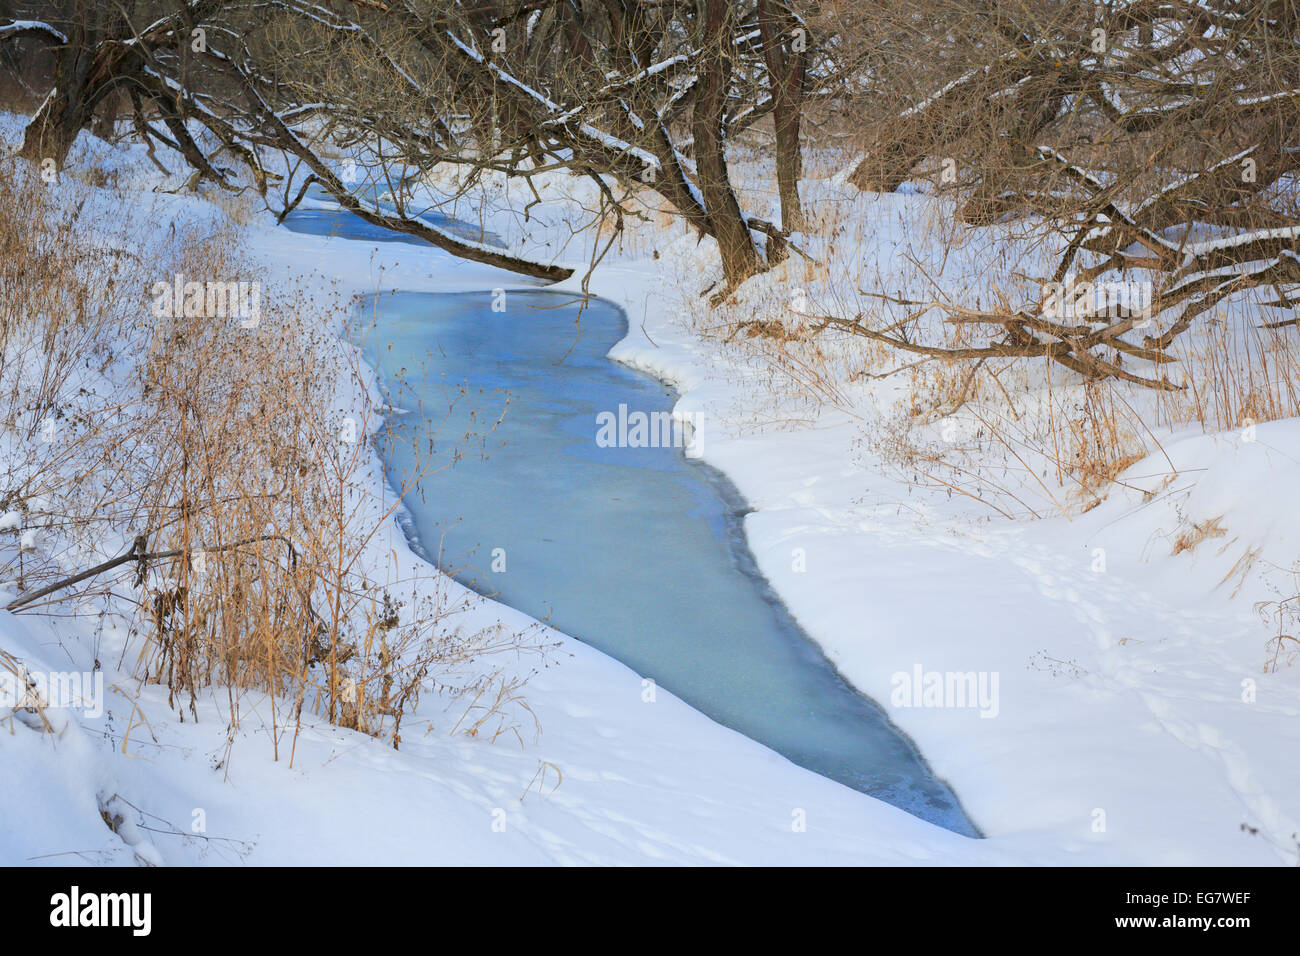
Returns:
<point x="785" y="69"/>
<point x="87" y="70"/>
<point x="886" y="167"/>
<point x="54" y="128"/>
<point x="735" y="244"/>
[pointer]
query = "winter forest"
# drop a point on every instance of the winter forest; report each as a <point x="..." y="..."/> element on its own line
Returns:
<point x="672" y="433"/>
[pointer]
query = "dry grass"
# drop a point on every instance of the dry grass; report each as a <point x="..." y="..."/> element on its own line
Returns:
<point x="1283" y="616"/>
<point x="1248" y="374"/>
<point x="217" y="447"/>
<point x="1189" y="539"/>
<point x="1020" y="437"/>
<point x="498" y="709"/>
<point x="28" y="705"/>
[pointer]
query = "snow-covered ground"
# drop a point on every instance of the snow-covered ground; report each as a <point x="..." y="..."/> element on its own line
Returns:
<point x="1132" y="722"/>
<point x="1142" y="715"/>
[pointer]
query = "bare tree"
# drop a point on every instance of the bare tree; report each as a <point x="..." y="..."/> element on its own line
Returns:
<point x="646" y="95"/>
<point x="1146" y="137"/>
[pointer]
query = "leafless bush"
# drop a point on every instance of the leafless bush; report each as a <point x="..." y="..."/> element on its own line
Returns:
<point x="1146" y="144"/>
<point x="200" y="467"/>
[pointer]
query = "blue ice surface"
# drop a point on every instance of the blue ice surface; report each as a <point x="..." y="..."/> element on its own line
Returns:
<point x="638" y="552"/>
<point x="317" y="221"/>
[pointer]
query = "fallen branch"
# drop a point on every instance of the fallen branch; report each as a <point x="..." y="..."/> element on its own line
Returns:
<point x="138" y="554"/>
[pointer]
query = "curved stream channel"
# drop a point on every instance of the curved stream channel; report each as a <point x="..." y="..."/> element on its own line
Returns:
<point x="639" y="552"/>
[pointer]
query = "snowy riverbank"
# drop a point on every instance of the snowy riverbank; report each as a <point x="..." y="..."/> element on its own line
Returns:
<point x="1119" y="691"/>
<point x="638" y="781"/>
